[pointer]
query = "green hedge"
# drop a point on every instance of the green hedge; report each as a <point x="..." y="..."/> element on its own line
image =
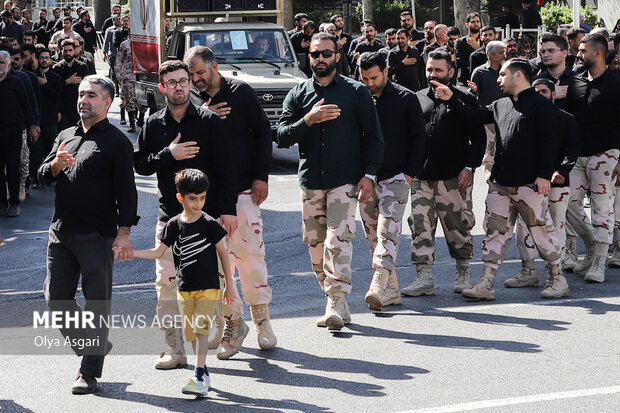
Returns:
<point x="555" y="14"/>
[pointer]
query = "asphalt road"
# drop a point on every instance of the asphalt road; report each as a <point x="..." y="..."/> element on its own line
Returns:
<point x="439" y="353"/>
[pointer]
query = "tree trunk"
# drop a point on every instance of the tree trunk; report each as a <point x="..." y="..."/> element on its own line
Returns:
<point x="367" y="9"/>
<point x="102" y="12"/>
<point x="287" y="14"/>
<point x="461" y="9"/>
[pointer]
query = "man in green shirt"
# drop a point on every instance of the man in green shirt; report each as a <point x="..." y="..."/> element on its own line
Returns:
<point x="335" y="123"/>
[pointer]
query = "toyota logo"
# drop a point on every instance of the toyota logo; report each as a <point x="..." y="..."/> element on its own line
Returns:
<point x="267" y="97"/>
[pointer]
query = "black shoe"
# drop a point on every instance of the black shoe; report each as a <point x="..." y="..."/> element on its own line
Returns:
<point x="3" y="210"/>
<point x="84" y="384"/>
<point x="13" y="211"/>
<point x="131" y="130"/>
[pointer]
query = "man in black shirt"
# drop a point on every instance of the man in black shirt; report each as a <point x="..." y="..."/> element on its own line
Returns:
<point x="406" y="66"/>
<point x="84" y="27"/>
<point x="344" y="39"/>
<point x="40" y="28"/>
<point x="521" y="175"/>
<point x="96" y="205"/>
<point x="565" y="158"/>
<point x="592" y="99"/>
<point x="301" y="43"/>
<point x="72" y="72"/>
<point x="123" y="33"/>
<point x="248" y="132"/>
<point x="479" y="57"/>
<point x="466" y="45"/>
<point x="402" y="125"/>
<point x="370" y="44"/>
<point x="109" y="22"/>
<point x="407" y="22"/>
<point x="445" y="182"/>
<point x="177" y="137"/>
<point x="508" y="18"/>
<point x="554" y="50"/>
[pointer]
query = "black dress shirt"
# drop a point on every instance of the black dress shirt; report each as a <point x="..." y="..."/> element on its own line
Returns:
<point x="15" y="109"/>
<point x="526" y="137"/>
<point x="485" y="77"/>
<point x="51" y="94"/>
<point x="90" y="38"/>
<point x="153" y="156"/>
<point x="568" y="145"/>
<point x="596" y="108"/>
<point x="478" y="58"/>
<point x="463" y="51"/>
<point x="566" y="78"/>
<point x="410" y="76"/>
<point x="451" y="143"/>
<point x="402" y="123"/>
<point x="98" y="193"/>
<point x="247" y="130"/>
<point x="70" y="92"/>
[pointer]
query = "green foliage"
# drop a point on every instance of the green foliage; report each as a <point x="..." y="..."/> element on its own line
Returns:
<point x="386" y="13"/>
<point x="321" y="16"/>
<point x="557" y="13"/>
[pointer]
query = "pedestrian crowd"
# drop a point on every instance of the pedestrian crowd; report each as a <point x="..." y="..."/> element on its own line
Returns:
<point x="377" y="126"/>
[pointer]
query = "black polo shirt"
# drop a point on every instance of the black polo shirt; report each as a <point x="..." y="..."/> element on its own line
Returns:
<point x="98" y="193"/>
<point x="485" y="77"/>
<point x="410" y="76"/>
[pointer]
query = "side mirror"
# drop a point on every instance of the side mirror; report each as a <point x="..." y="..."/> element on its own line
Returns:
<point x="303" y="60"/>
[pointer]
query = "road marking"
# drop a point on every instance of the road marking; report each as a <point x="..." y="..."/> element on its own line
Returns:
<point x="535" y="398"/>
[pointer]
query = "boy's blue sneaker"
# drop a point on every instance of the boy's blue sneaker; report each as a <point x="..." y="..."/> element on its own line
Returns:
<point x="196" y="387"/>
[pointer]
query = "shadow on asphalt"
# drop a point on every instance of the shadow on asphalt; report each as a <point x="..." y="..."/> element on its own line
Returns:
<point x="11" y="406"/>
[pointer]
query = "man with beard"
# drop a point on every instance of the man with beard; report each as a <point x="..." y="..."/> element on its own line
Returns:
<point x="466" y="45"/>
<point x="479" y="57"/>
<point x="84" y="27"/>
<point x="429" y="36"/>
<point x="344" y="39"/>
<point x="66" y="33"/>
<point x="521" y="175"/>
<point x="301" y="43"/>
<point x="71" y="72"/>
<point x="442" y="189"/>
<point x="109" y="22"/>
<point x="370" y="44"/>
<point x="334" y="121"/>
<point x="51" y="94"/>
<point x="402" y="125"/>
<point x="180" y="136"/>
<point x="554" y="51"/>
<point x="511" y="48"/>
<point x="593" y="100"/>
<point x="248" y="132"/>
<point x="343" y="66"/>
<point x="10" y="28"/>
<point x="574" y="37"/>
<point x="95" y="206"/>
<point x="405" y="64"/>
<point x="565" y="158"/>
<point x="440" y="40"/>
<point x="390" y="40"/>
<point x="40" y="27"/>
<point x="408" y="23"/>
<point x="453" y="35"/>
<point x="55" y="24"/>
<point x="300" y="20"/>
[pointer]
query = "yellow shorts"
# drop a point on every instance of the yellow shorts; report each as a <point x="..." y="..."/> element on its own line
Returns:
<point x="198" y="311"/>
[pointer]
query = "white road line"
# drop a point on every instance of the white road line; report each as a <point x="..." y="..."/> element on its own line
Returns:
<point x="485" y="404"/>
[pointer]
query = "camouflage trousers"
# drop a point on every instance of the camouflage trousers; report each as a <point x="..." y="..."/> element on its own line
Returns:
<point x="165" y="282"/>
<point x="443" y="200"/>
<point x="594" y="173"/>
<point x="328" y="229"/>
<point x="24" y="161"/>
<point x="558" y="203"/>
<point x="489" y="154"/>
<point x="128" y="95"/>
<point x="617" y="217"/>
<point x="503" y="205"/>
<point x="382" y="217"/>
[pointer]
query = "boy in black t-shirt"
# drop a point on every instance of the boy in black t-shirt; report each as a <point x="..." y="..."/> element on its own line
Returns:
<point x="195" y="238"/>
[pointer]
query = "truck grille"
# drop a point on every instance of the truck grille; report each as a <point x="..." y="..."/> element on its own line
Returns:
<point x="271" y="98"/>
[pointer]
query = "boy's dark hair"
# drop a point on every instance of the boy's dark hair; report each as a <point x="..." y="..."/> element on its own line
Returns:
<point x="558" y="40"/>
<point x="545" y="82"/>
<point x="191" y="181"/>
<point x="518" y="64"/>
<point x="370" y="59"/>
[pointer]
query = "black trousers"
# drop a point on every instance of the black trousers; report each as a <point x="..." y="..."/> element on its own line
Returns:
<point x="49" y="131"/>
<point x="68" y="256"/>
<point x="10" y="158"/>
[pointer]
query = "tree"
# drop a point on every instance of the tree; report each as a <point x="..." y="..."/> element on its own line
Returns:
<point x="367" y="9"/>
<point x="461" y="9"/>
<point x="102" y="12"/>
<point x="287" y="14"/>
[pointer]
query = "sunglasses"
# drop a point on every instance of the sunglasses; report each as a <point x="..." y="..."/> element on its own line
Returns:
<point x="324" y="53"/>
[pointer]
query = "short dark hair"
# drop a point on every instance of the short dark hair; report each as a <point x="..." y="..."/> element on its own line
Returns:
<point x="29" y="48"/>
<point x="453" y="30"/>
<point x="371" y="24"/>
<point x="518" y="64"/>
<point x="574" y="32"/>
<point x="191" y="181"/>
<point x="399" y="31"/>
<point x="326" y="36"/>
<point x="67" y="42"/>
<point x="598" y="41"/>
<point x="309" y="25"/>
<point x="545" y="82"/>
<point x="406" y="13"/>
<point x="42" y="50"/>
<point x="6" y="13"/>
<point x="31" y="34"/>
<point x="470" y="16"/>
<point x="487" y="28"/>
<point x="391" y="31"/>
<point x="440" y="54"/>
<point x="171" y="66"/>
<point x="370" y="59"/>
<point x="555" y="38"/>
<point x="203" y="52"/>
<point x="67" y="18"/>
<point x="334" y="17"/>
<point x="300" y="16"/>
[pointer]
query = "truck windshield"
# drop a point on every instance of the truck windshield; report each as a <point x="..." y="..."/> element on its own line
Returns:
<point x="239" y="45"/>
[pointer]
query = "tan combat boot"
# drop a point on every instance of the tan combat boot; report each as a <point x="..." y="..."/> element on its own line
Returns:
<point x="375" y="295"/>
<point x="391" y="295"/>
<point x="583" y="266"/>
<point x="484" y="289"/>
<point x="215" y="333"/>
<point x="556" y="285"/>
<point x="234" y="334"/>
<point x="266" y="338"/>
<point x="569" y="255"/>
<point x="527" y="277"/>
<point x="596" y="272"/>
<point x="175" y="355"/>
<point x="344" y="313"/>
<point x="614" y="261"/>
<point x="462" y="278"/>
<point x="423" y="284"/>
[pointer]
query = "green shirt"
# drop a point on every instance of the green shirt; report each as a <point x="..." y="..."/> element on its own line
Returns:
<point x="339" y="151"/>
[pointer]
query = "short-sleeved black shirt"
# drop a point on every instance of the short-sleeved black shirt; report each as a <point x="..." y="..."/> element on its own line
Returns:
<point x="193" y="249"/>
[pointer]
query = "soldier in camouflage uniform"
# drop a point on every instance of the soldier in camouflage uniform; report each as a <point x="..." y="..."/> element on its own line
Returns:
<point x="521" y="175"/>
<point x="442" y="191"/>
<point x="334" y="120"/>
<point x="402" y="124"/>
<point x="127" y="81"/>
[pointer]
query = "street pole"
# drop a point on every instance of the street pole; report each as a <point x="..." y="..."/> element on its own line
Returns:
<point x="576" y="8"/>
<point x="413" y="11"/>
<point x="102" y="12"/>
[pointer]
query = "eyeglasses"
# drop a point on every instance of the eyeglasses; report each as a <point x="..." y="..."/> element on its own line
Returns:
<point x="549" y="51"/>
<point x="172" y="84"/>
<point x="324" y="53"/>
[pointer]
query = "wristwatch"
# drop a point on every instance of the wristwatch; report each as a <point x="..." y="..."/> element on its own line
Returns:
<point x="373" y="178"/>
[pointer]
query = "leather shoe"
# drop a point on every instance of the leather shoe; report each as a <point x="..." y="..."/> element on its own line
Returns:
<point x="84" y="384"/>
